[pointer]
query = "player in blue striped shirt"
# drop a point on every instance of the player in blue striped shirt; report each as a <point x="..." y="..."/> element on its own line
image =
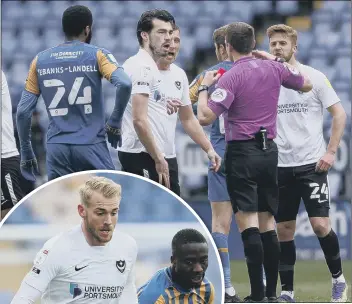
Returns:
<point x="184" y="281"/>
<point x="69" y="78"/>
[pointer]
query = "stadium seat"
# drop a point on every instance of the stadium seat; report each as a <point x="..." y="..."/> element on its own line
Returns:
<point x="343" y="65"/>
<point x="214" y="9"/>
<point x="319" y="17"/>
<point x="37" y="10"/>
<point x="135" y="8"/>
<point x="188" y="9"/>
<point x="112" y="10"/>
<point x="242" y="8"/>
<point x="203" y="36"/>
<point x="262" y="7"/>
<point x="335" y="6"/>
<point x="8" y="45"/>
<point x="287" y="7"/>
<point x="318" y="63"/>
<point x="14" y="13"/>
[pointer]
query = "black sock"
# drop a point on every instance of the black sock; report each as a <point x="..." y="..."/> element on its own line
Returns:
<point x="253" y="250"/>
<point x="331" y="248"/>
<point x="271" y="261"/>
<point x="287" y="264"/>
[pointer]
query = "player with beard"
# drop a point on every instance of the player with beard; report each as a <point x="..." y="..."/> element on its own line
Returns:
<point x="304" y="162"/>
<point x="143" y="127"/>
<point x="87" y="263"/>
<point x="175" y="89"/>
<point x="68" y="76"/>
<point x="184" y="281"/>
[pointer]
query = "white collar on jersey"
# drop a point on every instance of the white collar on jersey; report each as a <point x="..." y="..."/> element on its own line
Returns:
<point x="143" y="53"/>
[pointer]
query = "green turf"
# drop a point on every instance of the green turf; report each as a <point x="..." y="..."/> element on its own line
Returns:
<point x="312" y="280"/>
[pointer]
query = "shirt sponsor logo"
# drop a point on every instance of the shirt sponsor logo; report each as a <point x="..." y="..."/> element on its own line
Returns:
<point x="64" y="55"/>
<point x="218" y="95"/>
<point x="143" y="83"/>
<point x="157" y="95"/>
<point x="292" y="108"/>
<point x="95" y="292"/>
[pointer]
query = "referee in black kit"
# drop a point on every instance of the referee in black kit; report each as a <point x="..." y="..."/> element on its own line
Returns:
<point x="249" y="94"/>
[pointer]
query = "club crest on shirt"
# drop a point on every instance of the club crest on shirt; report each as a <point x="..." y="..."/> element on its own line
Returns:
<point x="178" y="84"/>
<point x="121" y="265"/>
<point x="218" y="95"/>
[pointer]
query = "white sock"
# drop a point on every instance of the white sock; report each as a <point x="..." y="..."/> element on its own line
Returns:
<point x="340" y="279"/>
<point x="288" y="293"/>
<point x="230" y="291"/>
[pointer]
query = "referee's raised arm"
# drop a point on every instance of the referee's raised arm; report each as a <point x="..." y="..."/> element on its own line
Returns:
<point x="248" y="94"/>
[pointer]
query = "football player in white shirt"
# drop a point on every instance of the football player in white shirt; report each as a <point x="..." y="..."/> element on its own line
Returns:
<point x="143" y="125"/>
<point x="91" y="263"/>
<point x="175" y="89"/>
<point x="304" y="162"/>
<point x="11" y="177"/>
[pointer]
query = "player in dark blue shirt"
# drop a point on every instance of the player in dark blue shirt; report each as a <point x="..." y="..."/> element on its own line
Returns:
<point x="217" y="189"/>
<point x="184" y="281"/>
<point x="69" y="78"/>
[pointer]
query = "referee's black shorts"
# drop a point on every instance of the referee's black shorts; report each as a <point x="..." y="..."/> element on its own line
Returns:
<point x="11" y="182"/>
<point x="251" y="176"/>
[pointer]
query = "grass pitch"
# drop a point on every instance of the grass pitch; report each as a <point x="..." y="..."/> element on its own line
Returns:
<point x="312" y="280"/>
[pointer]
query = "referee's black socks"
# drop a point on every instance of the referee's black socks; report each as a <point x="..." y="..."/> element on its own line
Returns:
<point x="331" y="248"/>
<point x="287" y="264"/>
<point x="253" y="250"/>
<point x="271" y="261"/>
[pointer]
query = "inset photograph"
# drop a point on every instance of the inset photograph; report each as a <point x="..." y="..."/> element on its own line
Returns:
<point x="107" y="237"/>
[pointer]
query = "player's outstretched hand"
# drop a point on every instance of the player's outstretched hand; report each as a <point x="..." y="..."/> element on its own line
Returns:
<point x="29" y="164"/>
<point x="173" y="105"/>
<point x="114" y="135"/>
<point x="162" y="168"/>
<point x="263" y="55"/>
<point x="215" y="160"/>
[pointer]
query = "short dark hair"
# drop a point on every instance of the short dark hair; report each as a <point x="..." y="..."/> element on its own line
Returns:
<point x="75" y="19"/>
<point x="145" y="23"/>
<point x="176" y="28"/>
<point x="241" y="37"/>
<point x="219" y="36"/>
<point x="186" y="236"/>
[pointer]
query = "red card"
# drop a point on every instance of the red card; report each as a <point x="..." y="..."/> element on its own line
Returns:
<point x="221" y="71"/>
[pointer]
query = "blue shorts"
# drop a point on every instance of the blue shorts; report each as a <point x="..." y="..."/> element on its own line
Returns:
<point x="63" y="159"/>
<point x="217" y="188"/>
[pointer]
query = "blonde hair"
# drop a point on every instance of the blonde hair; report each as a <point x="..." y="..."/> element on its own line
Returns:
<point x="219" y="35"/>
<point x="283" y="29"/>
<point x="102" y="185"/>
